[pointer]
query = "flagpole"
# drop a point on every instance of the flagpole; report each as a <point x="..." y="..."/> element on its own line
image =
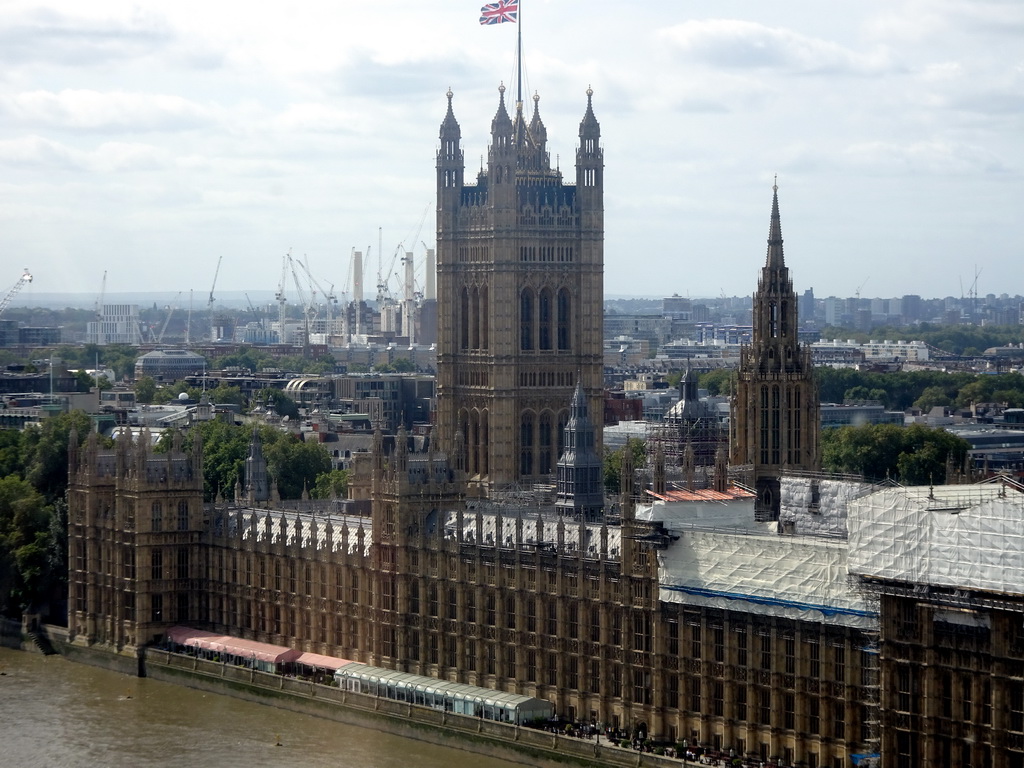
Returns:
<point x="519" y="55"/>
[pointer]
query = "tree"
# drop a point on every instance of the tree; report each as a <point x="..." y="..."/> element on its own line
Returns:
<point x="45" y="452"/>
<point x="613" y="462"/>
<point x="24" y="546"/>
<point x="331" y="485"/>
<point x="914" y="455"/>
<point x="717" y="382"/>
<point x="932" y="397"/>
<point x="145" y="389"/>
<point x="296" y="465"/>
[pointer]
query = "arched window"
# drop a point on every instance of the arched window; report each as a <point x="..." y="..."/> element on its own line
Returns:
<point x="526" y="445"/>
<point x="545" y="444"/>
<point x="474" y="320"/>
<point x="484" y="323"/>
<point x="776" y="428"/>
<point x="773" y="319"/>
<point x="544" y="318"/>
<point x="182" y="515"/>
<point x="464" y="319"/>
<point x="564" y="322"/>
<point x="526" y="320"/>
<point x="474" y="443"/>
<point x="485" y="441"/>
<point x="157" y="520"/>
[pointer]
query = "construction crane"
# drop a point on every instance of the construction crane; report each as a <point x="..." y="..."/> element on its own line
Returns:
<point x="209" y="303"/>
<point x="101" y="337"/>
<point x="170" y="313"/>
<point x="255" y="314"/>
<point x="330" y="299"/>
<point x="24" y="280"/>
<point x="279" y="297"/>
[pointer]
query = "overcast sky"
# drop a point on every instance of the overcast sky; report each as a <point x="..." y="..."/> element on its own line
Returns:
<point x="150" y="138"/>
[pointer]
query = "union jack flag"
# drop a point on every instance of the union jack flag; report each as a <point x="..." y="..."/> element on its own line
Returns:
<point x="500" y="12"/>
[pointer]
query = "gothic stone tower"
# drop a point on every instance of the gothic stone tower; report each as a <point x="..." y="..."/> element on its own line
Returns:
<point x="520" y="258"/>
<point x="135" y="521"/>
<point x="775" y="408"/>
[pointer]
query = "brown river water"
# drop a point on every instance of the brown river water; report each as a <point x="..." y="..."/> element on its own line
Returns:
<point x="55" y="713"/>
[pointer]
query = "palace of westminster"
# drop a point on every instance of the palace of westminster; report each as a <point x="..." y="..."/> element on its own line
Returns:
<point x="762" y="607"/>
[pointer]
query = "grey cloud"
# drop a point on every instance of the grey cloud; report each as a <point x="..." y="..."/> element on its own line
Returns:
<point x="49" y="37"/>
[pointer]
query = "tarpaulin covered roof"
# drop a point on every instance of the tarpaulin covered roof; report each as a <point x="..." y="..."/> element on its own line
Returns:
<point x="234" y="646"/>
<point x="957" y="536"/>
<point x="321" y="662"/>
<point x="803" y="578"/>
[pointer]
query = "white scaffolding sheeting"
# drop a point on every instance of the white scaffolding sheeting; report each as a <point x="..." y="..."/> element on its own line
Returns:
<point x="955" y="536"/>
<point x="795" y="577"/>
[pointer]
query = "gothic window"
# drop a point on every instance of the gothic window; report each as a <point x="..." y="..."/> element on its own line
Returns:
<point x="544" y="318"/>
<point x="484" y="443"/>
<point x="474" y="341"/>
<point x="464" y="319"/>
<point x="564" y="321"/>
<point x="776" y="426"/>
<point x="526" y="444"/>
<point x="764" y="436"/>
<point x="526" y="320"/>
<point x="785" y="309"/>
<point x="182" y="515"/>
<point x="484" y="327"/>
<point x="156" y="564"/>
<point x="773" y="319"/>
<point x="157" y="519"/>
<point x="544" y="467"/>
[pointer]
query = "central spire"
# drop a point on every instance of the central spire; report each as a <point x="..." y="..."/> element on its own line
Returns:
<point x="775" y="257"/>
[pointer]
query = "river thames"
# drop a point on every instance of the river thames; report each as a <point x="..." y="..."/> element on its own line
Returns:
<point x="55" y="713"/>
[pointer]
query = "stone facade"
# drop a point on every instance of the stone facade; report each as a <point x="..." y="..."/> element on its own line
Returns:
<point x="775" y="410"/>
<point x="519" y="280"/>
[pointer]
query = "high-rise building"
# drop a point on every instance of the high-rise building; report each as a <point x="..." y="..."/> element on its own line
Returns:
<point x="775" y="410"/>
<point x="520" y="257"/>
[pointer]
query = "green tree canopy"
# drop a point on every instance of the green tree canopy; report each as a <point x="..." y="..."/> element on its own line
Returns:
<point x="613" y="462"/>
<point x="331" y="485"/>
<point x="914" y="455"/>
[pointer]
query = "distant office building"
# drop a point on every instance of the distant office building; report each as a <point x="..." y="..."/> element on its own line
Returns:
<point x="169" y="364"/>
<point x="117" y="324"/>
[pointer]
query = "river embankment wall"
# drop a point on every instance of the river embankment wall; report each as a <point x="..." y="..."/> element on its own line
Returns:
<point x="528" y="746"/>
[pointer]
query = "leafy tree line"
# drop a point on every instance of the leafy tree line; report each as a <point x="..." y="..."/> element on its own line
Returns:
<point x="296" y="465"/>
<point x="914" y="455"/>
<point x="33" y="512"/>
<point x="923" y="389"/>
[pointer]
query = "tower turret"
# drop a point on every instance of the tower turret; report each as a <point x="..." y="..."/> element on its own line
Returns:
<point x="775" y="420"/>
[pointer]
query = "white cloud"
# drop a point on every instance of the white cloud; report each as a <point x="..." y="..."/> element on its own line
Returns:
<point x="733" y="43"/>
<point x="91" y="110"/>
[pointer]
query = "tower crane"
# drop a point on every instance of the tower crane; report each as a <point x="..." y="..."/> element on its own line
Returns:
<point x="279" y="297"/>
<point x="209" y="303"/>
<point x="170" y="313"/>
<point x="24" y="280"/>
<point x="330" y="298"/>
<point x="101" y="337"/>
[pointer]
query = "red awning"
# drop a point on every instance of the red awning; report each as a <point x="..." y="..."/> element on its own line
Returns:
<point x="182" y="635"/>
<point x="321" y="662"/>
<point x="250" y="649"/>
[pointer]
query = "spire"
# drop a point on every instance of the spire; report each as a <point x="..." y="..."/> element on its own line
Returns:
<point x="502" y="123"/>
<point x="450" y="126"/>
<point x="775" y="258"/>
<point x="537" y="129"/>
<point x="589" y="123"/>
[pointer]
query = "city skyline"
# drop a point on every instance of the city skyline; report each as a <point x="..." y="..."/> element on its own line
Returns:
<point x="169" y="136"/>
